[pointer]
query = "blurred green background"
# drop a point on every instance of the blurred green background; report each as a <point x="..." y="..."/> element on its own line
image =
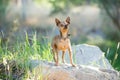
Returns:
<point x="95" y="22"/>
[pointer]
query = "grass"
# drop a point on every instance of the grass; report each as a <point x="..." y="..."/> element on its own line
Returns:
<point x="112" y="53"/>
<point x="116" y="57"/>
<point x="21" y="53"/>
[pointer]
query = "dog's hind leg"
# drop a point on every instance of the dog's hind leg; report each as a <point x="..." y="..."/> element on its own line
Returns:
<point x="54" y="55"/>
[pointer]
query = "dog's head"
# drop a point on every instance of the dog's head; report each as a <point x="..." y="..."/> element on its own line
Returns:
<point x="63" y="26"/>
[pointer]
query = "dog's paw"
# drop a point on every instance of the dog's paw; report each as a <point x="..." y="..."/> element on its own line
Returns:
<point x="73" y="65"/>
<point x="63" y="62"/>
<point x="56" y="64"/>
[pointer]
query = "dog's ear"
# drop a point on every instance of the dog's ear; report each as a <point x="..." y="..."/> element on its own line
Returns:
<point x="68" y="20"/>
<point x="57" y="21"/>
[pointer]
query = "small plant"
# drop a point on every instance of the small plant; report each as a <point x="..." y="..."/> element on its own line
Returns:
<point x="113" y="55"/>
<point x="20" y="55"/>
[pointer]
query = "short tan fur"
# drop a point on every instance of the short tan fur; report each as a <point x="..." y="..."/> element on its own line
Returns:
<point x="62" y="42"/>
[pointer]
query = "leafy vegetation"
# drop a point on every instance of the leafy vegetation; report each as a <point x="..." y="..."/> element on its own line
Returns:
<point x="14" y="60"/>
<point x="65" y="5"/>
<point x="3" y="6"/>
<point x="112" y="9"/>
<point x="112" y="52"/>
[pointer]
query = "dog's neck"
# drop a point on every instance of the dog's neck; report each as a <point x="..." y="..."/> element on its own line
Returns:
<point x="64" y="35"/>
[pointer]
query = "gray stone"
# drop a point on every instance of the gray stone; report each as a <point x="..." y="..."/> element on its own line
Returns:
<point x="91" y="64"/>
<point x="43" y="70"/>
<point x="85" y="54"/>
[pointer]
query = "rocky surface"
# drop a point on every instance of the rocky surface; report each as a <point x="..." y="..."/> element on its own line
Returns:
<point x="90" y="61"/>
<point x="91" y="55"/>
<point x="44" y="70"/>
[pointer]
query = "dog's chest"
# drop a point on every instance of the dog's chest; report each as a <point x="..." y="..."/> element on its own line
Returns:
<point x="63" y="44"/>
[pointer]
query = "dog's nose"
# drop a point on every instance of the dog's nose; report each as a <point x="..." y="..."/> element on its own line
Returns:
<point x="65" y="26"/>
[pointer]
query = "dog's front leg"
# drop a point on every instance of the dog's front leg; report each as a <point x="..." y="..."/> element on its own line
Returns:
<point x="70" y="55"/>
<point x="57" y="58"/>
<point x="63" y="54"/>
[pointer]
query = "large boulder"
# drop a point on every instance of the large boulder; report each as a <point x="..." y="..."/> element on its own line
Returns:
<point x="43" y="70"/>
<point x="91" y="55"/>
<point x="90" y="61"/>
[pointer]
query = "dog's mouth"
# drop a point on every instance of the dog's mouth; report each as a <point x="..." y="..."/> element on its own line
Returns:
<point x="65" y="29"/>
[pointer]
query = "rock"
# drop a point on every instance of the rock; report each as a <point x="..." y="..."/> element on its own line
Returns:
<point x="85" y="54"/>
<point x="43" y="70"/>
<point x="91" y="65"/>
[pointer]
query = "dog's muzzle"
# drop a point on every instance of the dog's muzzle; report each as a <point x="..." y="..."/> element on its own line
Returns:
<point x="65" y="27"/>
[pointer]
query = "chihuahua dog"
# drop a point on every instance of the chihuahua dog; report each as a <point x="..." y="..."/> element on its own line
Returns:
<point x="62" y="42"/>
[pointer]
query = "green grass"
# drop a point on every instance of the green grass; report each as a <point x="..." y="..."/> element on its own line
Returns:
<point x="22" y="53"/>
<point x="112" y="52"/>
<point x="113" y="55"/>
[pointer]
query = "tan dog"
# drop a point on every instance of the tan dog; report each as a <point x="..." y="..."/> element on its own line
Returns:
<point x="62" y="42"/>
